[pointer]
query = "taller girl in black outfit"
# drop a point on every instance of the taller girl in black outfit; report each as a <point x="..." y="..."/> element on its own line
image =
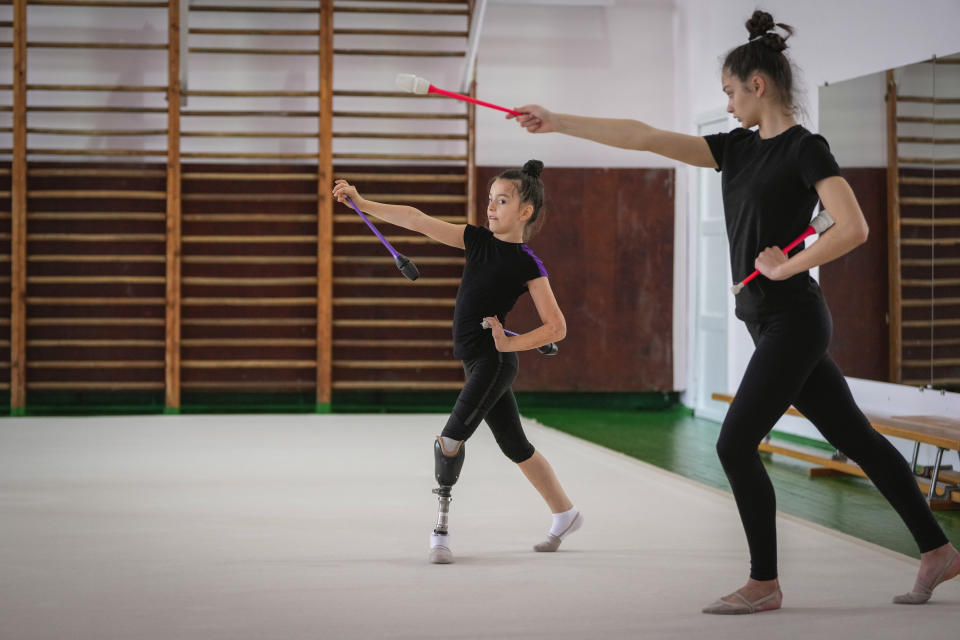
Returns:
<point x="772" y="179"/>
<point x="499" y="269"/>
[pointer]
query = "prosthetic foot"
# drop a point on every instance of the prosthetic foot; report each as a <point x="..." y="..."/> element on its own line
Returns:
<point x="448" y="455"/>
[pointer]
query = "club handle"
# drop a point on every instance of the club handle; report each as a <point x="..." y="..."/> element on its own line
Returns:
<point x="803" y="236"/>
<point x="550" y="349"/>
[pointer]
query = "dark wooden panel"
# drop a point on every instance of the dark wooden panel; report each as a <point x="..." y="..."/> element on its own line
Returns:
<point x="856" y="286"/>
<point x="607" y="242"/>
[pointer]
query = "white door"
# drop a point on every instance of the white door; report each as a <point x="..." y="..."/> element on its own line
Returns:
<point x="711" y="269"/>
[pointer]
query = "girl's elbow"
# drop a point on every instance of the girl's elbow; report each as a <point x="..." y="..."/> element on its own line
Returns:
<point x="560" y="331"/>
<point x="863" y="233"/>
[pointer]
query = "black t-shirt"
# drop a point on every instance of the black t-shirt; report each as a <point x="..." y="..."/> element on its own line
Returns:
<point x="768" y="200"/>
<point x="495" y="275"/>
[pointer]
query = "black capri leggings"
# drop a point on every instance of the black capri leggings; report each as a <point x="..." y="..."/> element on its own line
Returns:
<point x="487" y="396"/>
<point x="791" y="366"/>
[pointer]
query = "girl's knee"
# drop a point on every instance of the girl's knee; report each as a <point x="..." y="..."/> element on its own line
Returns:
<point x="517" y="452"/>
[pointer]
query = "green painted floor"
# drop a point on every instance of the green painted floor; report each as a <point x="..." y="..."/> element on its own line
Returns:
<point x="675" y="440"/>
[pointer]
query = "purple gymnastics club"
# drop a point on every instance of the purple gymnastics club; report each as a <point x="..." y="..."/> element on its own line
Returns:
<point x="407" y="268"/>
<point x="547" y="349"/>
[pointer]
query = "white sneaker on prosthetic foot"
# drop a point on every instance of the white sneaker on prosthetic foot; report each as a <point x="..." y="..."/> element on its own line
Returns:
<point x="563" y="525"/>
<point x="440" y="549"/>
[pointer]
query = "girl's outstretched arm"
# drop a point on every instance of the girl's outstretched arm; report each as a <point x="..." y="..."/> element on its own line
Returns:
<point x="553" y="329"/>
<point x="403" y="216"/>
<point x="625" y="134"/>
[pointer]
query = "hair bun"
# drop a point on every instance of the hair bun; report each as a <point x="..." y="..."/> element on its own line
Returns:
<point x="533" y="168"/>
<point x="759" y="23"/>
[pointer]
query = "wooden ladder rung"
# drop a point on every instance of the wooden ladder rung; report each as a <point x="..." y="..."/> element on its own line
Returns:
<point x="110" y="88"/>
<point x="95" y="364"/>
<point x="245" y="176"/>
<point x="935" y="362"/>
<point x="403" y="53"/>
<point x="394" y="384"/>
<point x="939" y="342"/>
<point x="223" y="93"/>
<point x="247" y="113"/>
<point x="946" y="182"/>
<point x="250" y="217"/>
<point x="247" y="156"/>
<point x="95" y="386"/>
<point x="398" y="364"/>
<point x="248" y="342"/>
<point x="922" y="382"/>
<point x="250" y="9"/>
<point x="401" y="177"/>
<point x="924" y="324"/>
<point x="96" y="279"/>
<point x="130" y="4"/>
<point x="254" y="32"/>
<point x="250" y="282"/>
<point x="377" y="343"/>
<point x="303" y="239"/>
<point x="250" y="197"/>
<point x="400" y="115"/>
<point x="930" y="222"/>
<point x="394" y="281"/>
<point x="250" y="302"/>
<point x="95" y="322"/>
<point x="443" y="324"/>
<point x="107" y="215"/>
<point x="248" y="364"/>
<point x="393" y="302"/>
<point x="414" y="197"/>
<point x="396" y="10"/>
<point x="95" y="109"/>
<point x="96" y="237"/>
<point x="915" y="119"/>
<point x="938" y="302"/>
<point x="941" y="200"/>
<point x="372" y="239"/>
<point x="928" y="100"/>
<point x="256" y="52"/>
<point x="924" y="242"/>
<point x="928" y="160"/>
<point x="928" y="140"/>
<point x="247" y="385"/>
<point x="251" y="260"/>
<point x="97" y="193"/>
<point x="402" y="136"/>
<point x="95" y="343"/>
<point x="248" y="134"/>
<point x="92" y="301"/>
<point x="420" y="33"/>
<point x="249" y="322"/>
<point x="97" y="45"/>
<point x="355" y="218"/>
<point x="403" y="156"/>
<point x="931" y="282"/>
<point x="67" y="258"/>
<point x="927" y="262"/>
<point x="95" y="173"/>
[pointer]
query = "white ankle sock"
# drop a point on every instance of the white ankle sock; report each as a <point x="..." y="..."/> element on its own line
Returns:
<point x="562" y="521"/>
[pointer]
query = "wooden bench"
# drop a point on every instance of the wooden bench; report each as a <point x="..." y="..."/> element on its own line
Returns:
<point x="941" y="483"/>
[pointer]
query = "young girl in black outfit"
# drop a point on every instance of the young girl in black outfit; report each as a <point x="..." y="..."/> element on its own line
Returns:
<point x="772" y="178"/>
<point x="499" y="269"/>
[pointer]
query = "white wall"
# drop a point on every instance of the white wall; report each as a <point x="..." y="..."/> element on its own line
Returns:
<point x="834" y="41"/>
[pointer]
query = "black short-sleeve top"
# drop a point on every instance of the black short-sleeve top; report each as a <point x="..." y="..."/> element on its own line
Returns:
<point x="768" y="200"/>
<point x="495" y="275"/>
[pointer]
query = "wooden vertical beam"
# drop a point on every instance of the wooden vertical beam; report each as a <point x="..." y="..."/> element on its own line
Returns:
<point x="18" y="242"/>
<point x="893" y="233"/>
<point x="174" y="217"/>
<point x="472" y="139"/>
<point x="325" y="211"/>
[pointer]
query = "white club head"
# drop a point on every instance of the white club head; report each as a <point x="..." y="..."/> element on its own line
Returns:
<point x="413" y="84"/>
<point x="821" y="222"/>
<point x="484" y="324"/>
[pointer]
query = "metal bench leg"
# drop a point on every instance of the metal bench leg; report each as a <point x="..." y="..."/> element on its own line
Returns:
<point x="936" y="473"/>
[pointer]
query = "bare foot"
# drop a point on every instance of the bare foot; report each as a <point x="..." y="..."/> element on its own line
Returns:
<point x="936" y="566"/>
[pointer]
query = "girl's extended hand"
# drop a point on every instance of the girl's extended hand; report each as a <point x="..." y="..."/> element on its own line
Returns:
<point x="499" y="337"/>
<point x="535" y="119"/>
<point x="770" y="263"/>
<point x="343" y="190"/>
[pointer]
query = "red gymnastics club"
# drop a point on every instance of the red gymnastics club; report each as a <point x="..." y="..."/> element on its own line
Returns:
<point x="421" y="86"/>
<point x="819" y="224"/>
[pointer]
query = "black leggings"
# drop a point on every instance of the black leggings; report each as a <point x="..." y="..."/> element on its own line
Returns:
<point x="791" y="366"/>
<point x="487" y="396"/>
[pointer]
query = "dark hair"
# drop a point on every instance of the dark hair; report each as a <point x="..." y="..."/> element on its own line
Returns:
<point x="530" y="187"/>
<point x="763" y="53"/>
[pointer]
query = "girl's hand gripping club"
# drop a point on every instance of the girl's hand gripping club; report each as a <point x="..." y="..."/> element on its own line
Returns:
<point x="819" y="224"/>
<point x="421" y="86"/>
<point x="407" y="268"/>
<point x="547" y="349"/>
